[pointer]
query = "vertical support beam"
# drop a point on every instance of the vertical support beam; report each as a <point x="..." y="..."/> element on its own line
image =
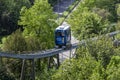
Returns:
<point x="49" y="60"/>
<point x="1" y="62"/>
<point x="75" y="53"/>
<point x="23" y="70"/>
<point x="70" y="52"/>
<point x="33" y="69"/>
<point x="58" y="61"/>
<point x="113" y="38"/>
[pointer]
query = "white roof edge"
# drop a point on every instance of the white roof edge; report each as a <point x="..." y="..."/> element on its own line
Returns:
<point x="63" y="27"/>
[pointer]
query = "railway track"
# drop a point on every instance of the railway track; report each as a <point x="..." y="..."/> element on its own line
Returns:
<point x="51" y="52"/>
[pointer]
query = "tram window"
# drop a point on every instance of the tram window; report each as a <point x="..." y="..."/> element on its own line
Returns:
<point x="68" y="32"/>
<point x="59" y="34"/>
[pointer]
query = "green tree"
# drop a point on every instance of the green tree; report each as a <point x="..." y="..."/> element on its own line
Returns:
<point x="102" y="50"/>
<point x="118" y="10"/>
<point x="87" y="24"/>
<point x="52" y="2"/>
<point x="118" y="13"/>
<point x="9" y="14"/>
<point x="95" y="14"/>
<point x="113" y="69"/>
<point x="14" y="42"/>
<point x="82" y="68"/>
<point x="39" y="22"/>
<point x="93" y="62"/>
<point x="109" y="5"/>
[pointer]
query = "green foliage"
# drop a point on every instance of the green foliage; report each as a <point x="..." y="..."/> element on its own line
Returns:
<point x="4" y="75"/>
<point x="39" y="24"/>
<point x="113" y="69"/>
<point x="14" y="42"/>
<point x="101" y="50"/>
<point x="83" y="68"/>
<point x="118" y="11"/>
<point x="93" y="63"/>
<point x="93" y="17"/>
<point x="9" y="15"/>
<point x="12" y="67"/>
<point x="93" y="60"/>
<point x="45" y="74"/>
<point x="109" y="5"/>
<point x="87" y="24"/>
<point x="33" y="43"/>
<point x="52" y="2"/>
<point x="105" y="14"/>
<point x="86" y="4"/>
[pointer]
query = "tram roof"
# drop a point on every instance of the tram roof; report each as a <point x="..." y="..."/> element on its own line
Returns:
<point x="63" y="27"/>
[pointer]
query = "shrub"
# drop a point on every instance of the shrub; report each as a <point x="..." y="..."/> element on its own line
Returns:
<point x="102" y="50"/>
<point x="79" y="69"/>
<point x="113" y="69"/>
<point x="14" y="43"/>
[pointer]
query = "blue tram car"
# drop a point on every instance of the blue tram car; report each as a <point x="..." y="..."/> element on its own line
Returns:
<point x="63" y="36"/>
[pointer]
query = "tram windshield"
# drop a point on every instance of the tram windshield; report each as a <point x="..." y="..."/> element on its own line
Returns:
<point x="59" y="34"/>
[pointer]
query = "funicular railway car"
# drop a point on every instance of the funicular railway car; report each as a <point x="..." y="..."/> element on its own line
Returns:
<point x="63" y="36"/>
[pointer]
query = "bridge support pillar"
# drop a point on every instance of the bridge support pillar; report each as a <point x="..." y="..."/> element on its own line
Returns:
<point x="32" y="65"/>
<point x="1" y="62"/>
<point x="55" y="61"/>
<point x="23" y="70"/>
<point x="75" y="55"/>
<point x="33" y="69"/>
<point x="49" y="61"/>
<point x="58" y="61"/>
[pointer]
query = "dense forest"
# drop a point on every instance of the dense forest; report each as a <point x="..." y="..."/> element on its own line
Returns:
<point x="28" y="26"/>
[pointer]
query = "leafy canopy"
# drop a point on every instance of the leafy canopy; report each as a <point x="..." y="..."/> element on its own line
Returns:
<point x="39" y="22"/>
<point x="86" y="24"/>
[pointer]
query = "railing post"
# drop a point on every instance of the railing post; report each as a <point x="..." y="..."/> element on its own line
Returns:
<point x="22" y="77"/>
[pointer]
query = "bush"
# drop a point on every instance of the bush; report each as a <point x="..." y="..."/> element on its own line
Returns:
<point x="15" y="42"/>
<point x="101" y="49"/>
<point x="83" y="68"/>
<point x="87" y="24"/>
<point x="113" y="69"/>
<point x="4" y="74"/>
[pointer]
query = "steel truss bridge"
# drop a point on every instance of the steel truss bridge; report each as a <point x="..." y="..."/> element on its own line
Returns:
<point x="47" y="53"/>
<point x="50" y="52"/>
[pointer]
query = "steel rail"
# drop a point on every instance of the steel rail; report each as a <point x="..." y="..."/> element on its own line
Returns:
<point x="35" y="55"/>
<point x="50" y="52"/>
